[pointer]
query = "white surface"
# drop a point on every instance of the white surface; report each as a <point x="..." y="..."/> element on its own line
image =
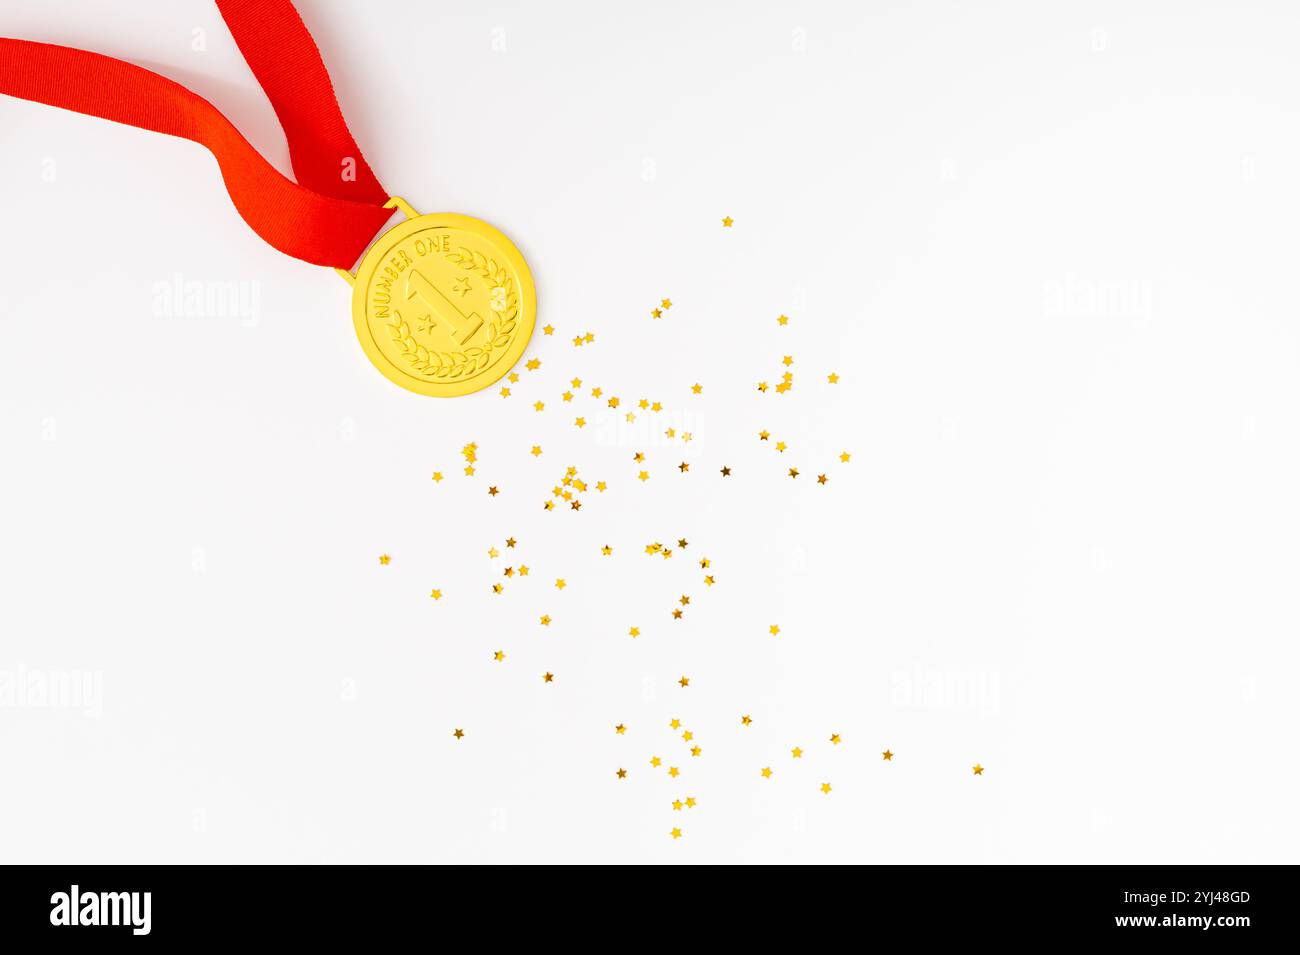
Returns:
<point x="1049" y="248"/>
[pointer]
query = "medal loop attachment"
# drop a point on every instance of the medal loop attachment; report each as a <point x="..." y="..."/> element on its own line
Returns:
<point x="394" y="202"/>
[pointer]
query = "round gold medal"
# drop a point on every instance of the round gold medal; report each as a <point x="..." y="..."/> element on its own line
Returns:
<point x="443" y="304"/>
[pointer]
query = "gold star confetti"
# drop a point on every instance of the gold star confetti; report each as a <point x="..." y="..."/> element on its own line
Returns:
<point x="675" y="724"/>
<point x="548" y="677"/>
<point x="560" y="584"/>
<point x="826" y="788"/>
<point x="745" y="720"/>
<point x="835" y="739"/>
<point x="676" y="833"/>
<point x="666" y="303"/>
<point x="797" y="753"/>
<point x="536" y="451"/>
<point x="727" y="222"/>
<point x="695" y="751"/>
<point x="887" y="755"/>
<point x="437" y="476"/>
<point x="766" y="772"/>
<point x="545" y="620"/>
<point x="674" y="772"/>
<point x="606" y="551"/>
<point x="833" y="378"/>
<point x="822" y="479"/>
<point x="677" y="805"/>
<point x="548" y="330"/>
<point x="459" y="734"/>
<point x="844" y="457"/>
<point x="499" y="656"/>
<point x="539" y="406"/>
<point x="620" y="729"/>
<point x="726" y="471"/>
<point x="384" y="560"/>
<point x="634" y="632"/>
<point x="782" y="320"/>
<point x="690" y="802"/>
<point x="655" y="761"/>
<point x="492" y="492"/>
<point x="622" y="774"/>
<point x="774" y="630"/>
<point x="533" y="364"/>
<point x="696" y="389"/>
<point x="436" y="594"/>
<point x="977" y="769"/>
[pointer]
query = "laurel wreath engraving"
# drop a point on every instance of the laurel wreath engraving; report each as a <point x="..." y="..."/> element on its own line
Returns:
<point x="460" y="364"/>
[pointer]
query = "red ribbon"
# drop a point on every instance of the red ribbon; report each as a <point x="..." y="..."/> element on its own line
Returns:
<point x="334" y="210"/>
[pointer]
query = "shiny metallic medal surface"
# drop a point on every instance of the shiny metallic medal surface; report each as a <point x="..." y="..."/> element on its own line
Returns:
<point x="443" y="304"/>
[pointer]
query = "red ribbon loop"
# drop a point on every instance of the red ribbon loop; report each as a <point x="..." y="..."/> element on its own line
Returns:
<point x="335" y="209"/>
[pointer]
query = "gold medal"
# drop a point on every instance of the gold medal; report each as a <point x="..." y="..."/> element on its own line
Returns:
<point x="443" y="304"/>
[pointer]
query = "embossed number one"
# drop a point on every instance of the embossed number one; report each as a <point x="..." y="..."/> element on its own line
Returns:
<point x="462" y="327"/>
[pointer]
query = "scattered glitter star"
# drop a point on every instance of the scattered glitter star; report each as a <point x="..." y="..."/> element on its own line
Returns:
<point x="622" y="774"/>
<point x="548" y="330"/>
<point x="767" y="772"/>
<point x="674" y="772"/>
<point x="548" y="677"/>
<point x="437" y="476"/>
<point x="774" y="630"/>
<point x="493" y="492"/>
<point x="545" y="620"/>
<point x="459" y="734"/>
<point x="684" y="682"/>
<point x="782" y="320"/>
<point x="634" y="632"/>
<point x="384" y="559"/>
<point x="606" y="551"/>
<point x="676" y="833"/>
<point x="560" y="584"/>
<point x="499" y="656"/>
<point x="677" y="805"/>
<point x="745" y="720"/>
<point x="655" y="761"/>
<point x="537" y="450"/>
<point x="822" y="479"/>
<point x="797" y="753"/>
<point x="794" y="472"/>
<point x="844" y="457"/>
<point x="835" y="739"/>
<point x="696" y="389"/>
<point x="833" y="378"/>
<point x="726" y="472"/>
<point x="727" y="222"/>
<point x="436" y="594"/>
<point x="977" y="769"/>
<point x="620" y="729"/>
<point x="826" y="788"/>
<point x="887" y="755"/>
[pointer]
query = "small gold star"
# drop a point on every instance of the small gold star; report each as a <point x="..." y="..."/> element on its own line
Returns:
<point x="782" y="320"/>
<point x="548" y="330"/>
<point x="681" y="542"/>
<point x="726" y="471"/>
<point x="887" y="755"/>
<point x="677" y="615"/>
<point x="497" y="588"/>
<point x="695" y="751"/>
<point x="677" y="805"/>
<point x="656" y="313"/>
<point x="696" y="389"/>
<point x="684" y="682"/>
<point x="459" y="734"/>
<point x="978" y="769"/>
<point x="774" y="630"/>
<point x="833" y="378"/>
<point x="835" y="739"/>
<point x="675" y="723"/>
<point x="436" y="594"/>
<point x="622" y="774"/>
<point x="620" y="729"/>
<point x="727" y="221"/>
<point x="581" y="422"/>
<point x="505" y="392"/>
<point x="787" y="361"/>
<point x="826" y="788"/>
<point x="655" y="761"/>
<point x="523" y="570"/>
<point x="539" y="406"/>
<point x="384" y="559"/>
<point x="533" y="364"/>
<point x="794" y="472"/>
<point x="690" y="802"/>
<point x="545" y="620"/>
<point x="745" y="720"/>
<point x="606" y="551"/>
<point x="762" y="436"/>
<point x="437" y="476"/>
<point x="822" y="479"/>
<point x="709" y="581"/>
<point x="493" y="552"/>
<point x="674" y="772"/>
<point x="844" y="457"/>
<point x="766" y="772"/>
<point x="499" y="656"/>
<point x="676" y="833"/>
<point x="688" y="736"/>
<point x="510" y="542"/>
<point x="559" y="583"/>
<point x="666" y="303"/>
<point x="492" y="491"/>
<point x="469" y="470"/>
<point x="797" y="753"/>
<point x="683" y="467"/>
<point x="634" y="632"/>
<point x="548" y="677"/>
<point x="537" y="450"/>
<point x="643" y="476"/>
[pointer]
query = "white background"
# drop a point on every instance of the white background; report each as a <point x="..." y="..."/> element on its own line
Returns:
<point x="1049" y="248"/>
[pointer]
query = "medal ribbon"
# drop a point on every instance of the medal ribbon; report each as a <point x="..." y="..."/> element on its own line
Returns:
<point x="334" y="210"/>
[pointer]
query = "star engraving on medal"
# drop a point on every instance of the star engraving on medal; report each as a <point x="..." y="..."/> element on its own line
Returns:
<point x="461" y="285"/>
